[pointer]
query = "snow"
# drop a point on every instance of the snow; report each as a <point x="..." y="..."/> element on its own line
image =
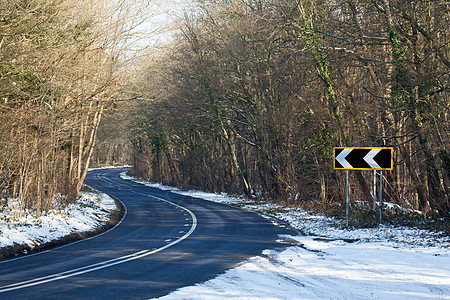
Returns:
<point x="109" y="167"/>
<point x="335" y="271"/>
<point x="329" y="261"/>
<point x="324" y="261"/>
<point x="89" y="212"/>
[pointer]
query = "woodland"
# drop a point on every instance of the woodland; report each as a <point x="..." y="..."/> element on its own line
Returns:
<point x="247" y="97"/>
<point x="61" y="66"/>
<point x="252" y="97"/>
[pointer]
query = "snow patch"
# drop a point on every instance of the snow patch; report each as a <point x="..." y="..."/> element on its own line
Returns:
<point x="89" y="212"/>
<point x="329" y="261"/>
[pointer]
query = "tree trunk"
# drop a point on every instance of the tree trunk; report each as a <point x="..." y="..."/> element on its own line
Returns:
<point x="90" y="147"/>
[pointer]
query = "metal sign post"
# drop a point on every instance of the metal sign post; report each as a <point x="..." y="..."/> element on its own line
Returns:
<point x="381" y="195"/>
<point x="364" y="158"/>
<point x="374" y="189"/>
<point x="346" y="197"/>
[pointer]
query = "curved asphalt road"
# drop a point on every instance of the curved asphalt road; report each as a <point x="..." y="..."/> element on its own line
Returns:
<point x="165" y="241"/>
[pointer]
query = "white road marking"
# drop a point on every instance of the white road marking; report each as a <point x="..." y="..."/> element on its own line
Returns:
<point x="104" y="264"/>
<point x="76" y="242"/>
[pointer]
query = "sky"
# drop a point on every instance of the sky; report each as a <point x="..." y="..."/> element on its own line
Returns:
<point x="162" y="23"/>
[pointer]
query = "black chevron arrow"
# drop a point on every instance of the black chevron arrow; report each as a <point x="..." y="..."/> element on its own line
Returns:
<point x="364" y="158"/>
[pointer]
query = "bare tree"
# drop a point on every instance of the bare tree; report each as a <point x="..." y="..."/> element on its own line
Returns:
<point x="257" y="93"/>
<point x="61" y="64"/>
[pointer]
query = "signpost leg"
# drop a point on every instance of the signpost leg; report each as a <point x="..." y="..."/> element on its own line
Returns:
<point x="374" y="189"/>
<point x="346" y="196"/>
<point x="381" y="194"/>
<point x="364" y="158"/>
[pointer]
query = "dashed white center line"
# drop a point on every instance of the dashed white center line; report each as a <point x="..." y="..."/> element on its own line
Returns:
<point x="105" y="264"/>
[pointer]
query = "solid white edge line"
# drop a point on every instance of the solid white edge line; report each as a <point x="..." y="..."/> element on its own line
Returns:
<point x="75" y="242"/>
<point x="104" y="264"/>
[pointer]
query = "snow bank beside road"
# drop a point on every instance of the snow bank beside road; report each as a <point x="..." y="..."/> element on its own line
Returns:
<point x="330" y="270"/>
<point x="330" y="261"/>
<point x="91" y="211"/>
<point x="320" y="226"/>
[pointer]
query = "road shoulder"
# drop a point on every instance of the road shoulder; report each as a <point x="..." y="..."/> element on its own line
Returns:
<point x="92" y="214"/>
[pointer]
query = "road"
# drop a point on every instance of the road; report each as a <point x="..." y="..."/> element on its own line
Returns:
<point x="165" y="241"/>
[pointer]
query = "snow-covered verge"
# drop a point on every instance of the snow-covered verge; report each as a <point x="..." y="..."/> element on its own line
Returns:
<point x="109" y="167"/>
<point x="328" y="261"/>
<point x="90" y="214"/>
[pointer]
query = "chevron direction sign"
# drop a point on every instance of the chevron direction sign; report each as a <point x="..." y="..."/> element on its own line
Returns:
<point x="363" y="158"/>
